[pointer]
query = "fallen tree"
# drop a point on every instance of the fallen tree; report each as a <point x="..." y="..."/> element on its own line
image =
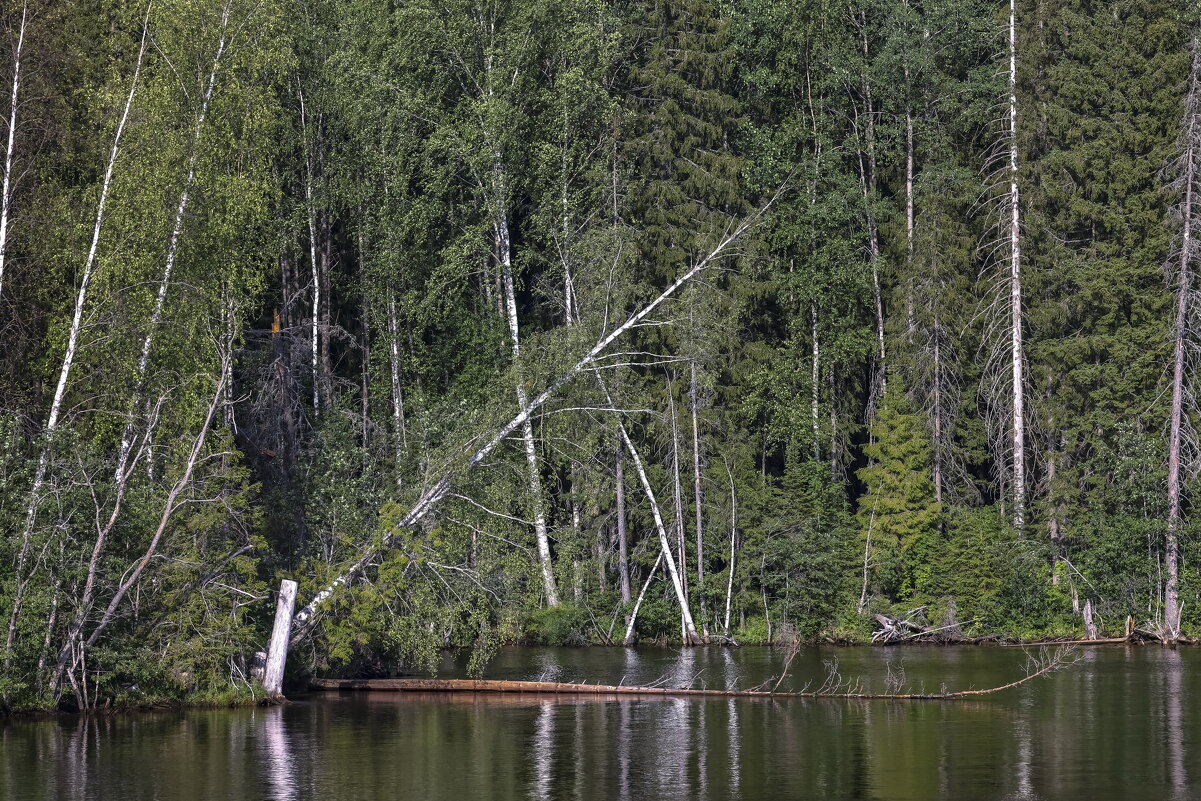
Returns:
<point x="833" y="688"/>
<point x="305" y="619"/>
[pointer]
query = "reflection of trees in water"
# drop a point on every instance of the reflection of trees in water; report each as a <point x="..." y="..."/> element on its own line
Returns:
<point x="543" y="748"/>
<point x="1173" y="722"/>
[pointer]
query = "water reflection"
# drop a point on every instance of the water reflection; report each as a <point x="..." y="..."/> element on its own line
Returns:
<point x="1119" y="725"/>
<point x="278" y="762"/>
<point x="1174" y="722"/>
<point x="542" y="749"/>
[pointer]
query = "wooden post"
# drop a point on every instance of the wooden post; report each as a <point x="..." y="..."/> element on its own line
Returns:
<point x="277" y="651"/>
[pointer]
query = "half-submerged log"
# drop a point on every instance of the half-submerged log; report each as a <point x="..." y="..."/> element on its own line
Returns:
<point x="1054" y="662"/>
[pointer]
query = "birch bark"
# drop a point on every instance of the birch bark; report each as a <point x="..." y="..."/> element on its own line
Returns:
<point x="1017" y="352"/>
<point x="123" y="471"/>
<point x="7" y="187"/>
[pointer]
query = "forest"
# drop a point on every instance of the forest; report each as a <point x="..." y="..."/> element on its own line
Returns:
<point x="587" y="322"/>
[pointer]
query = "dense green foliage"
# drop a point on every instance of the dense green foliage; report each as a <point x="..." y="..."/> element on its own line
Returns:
<point x="343" y="238"/>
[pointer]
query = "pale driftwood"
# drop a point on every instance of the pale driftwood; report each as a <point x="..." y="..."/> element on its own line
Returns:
<point x="281" y="634"/>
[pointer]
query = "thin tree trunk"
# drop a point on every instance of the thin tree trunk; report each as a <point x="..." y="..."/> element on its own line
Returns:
<point x="909" y="228"/>
<point x="938" y="422"/>
<point x="697" y="497"/>
<point x="122" y="472"/>
<point x="1184" y="309"/>
<point x="815" y="384"/>
<point x="7" y="187"/>
<point x="173" y="502"/>
<point x="690" y="635"/>
<point x="677" y="489"/>
<point x="867" y="182"/>
<point x="733" y="534"/>
<point x="60" y="390"/>
<point x="542" y="538"/>
<point x="623" y="546"/>
<point x="305" y="618"/>
<point x="632" y="618"/>
<point x="313" y="259"/>
<point x="1015" y="289"/>
<point x="399" y="437"/>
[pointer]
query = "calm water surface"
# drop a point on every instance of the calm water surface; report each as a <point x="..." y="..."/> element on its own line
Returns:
<point x="1122" y="723"/>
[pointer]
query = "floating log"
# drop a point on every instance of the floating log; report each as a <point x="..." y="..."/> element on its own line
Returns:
<point x="571" y="688"/>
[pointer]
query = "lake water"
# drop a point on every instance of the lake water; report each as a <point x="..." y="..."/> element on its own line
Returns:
<point x="1123" y="722"/>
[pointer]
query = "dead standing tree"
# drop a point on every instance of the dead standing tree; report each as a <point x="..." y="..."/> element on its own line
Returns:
<point x="1180" y="271"/>
<point x="1003" y="385"/>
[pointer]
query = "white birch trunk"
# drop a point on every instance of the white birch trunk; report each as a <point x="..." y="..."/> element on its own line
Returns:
<point x="697" y="496"/>
<point x="815" y="383"/>
<point x="172" y="503"/>
<point x="541" y="536"/>
<point x="429" y="499"/>
<point x="690" y="635"/>
<point x="1015" y="290"/>
<point x="7" y="187"/>
<point x="122" y="471"/>
<point x="909" y="230"/>
<point x="60" y="389"/>
<point x="632" y="618"/>
<point x="313" y="260"/>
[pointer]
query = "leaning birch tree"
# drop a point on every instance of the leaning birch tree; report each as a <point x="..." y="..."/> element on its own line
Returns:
<point x="56" y="404"/>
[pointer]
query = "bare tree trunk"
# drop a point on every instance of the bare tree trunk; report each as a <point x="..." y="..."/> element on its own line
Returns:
<point x="697" y="497"/>
<point x="867" y="182"/>
<point x="623" y="546"/>
<point x="1184" y="311"/>
<point x="501" y="228"/>
<point x="313" y="259"/>
<point x="690" y="635"/>
<point x="60" y="390"/>
<point x="172" y="504"/>
<point x="399" y="437"/>
<point x="439" y="489"/>
<point x="677" y="489"/>
<point x="6" y="188"/>
<point x="910" y="323"/>
<point x="733" y="534"/>
<point x="632" y="618"/>
<point x="1015" y="290"/>
<point x="938" y="411"/>
<point x="815" y="384"/>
